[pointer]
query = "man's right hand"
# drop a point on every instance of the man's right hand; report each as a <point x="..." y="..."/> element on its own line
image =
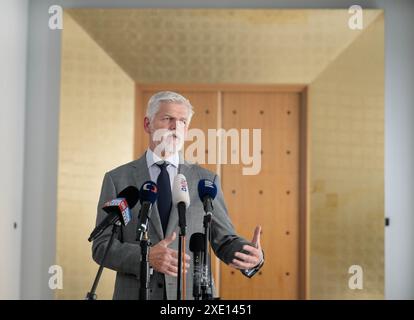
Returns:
<point x="164" y="259"/>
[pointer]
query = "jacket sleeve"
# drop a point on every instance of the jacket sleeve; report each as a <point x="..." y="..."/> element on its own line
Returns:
<point x="122" y="257"/>
<point x="224" y="239"/>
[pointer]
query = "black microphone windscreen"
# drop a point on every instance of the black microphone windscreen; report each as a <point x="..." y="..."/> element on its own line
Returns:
<point x="148" y="192"/>
<point x="131" y="195"/>
<point x="206" y="188"/>
<point x="197" y="242"/>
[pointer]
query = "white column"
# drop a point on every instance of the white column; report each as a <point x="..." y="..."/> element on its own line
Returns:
<point x="13" y="39"/>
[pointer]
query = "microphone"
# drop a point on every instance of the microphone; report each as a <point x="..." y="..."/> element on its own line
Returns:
<point x="181" y="199"/>
<point x="207" y="191"/>
<point x="118" y="210"/>
<point x="197" y="247"/>
<point x="148" y="195"/>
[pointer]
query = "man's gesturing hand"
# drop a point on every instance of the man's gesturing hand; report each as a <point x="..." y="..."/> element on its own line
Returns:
<point x="164" y="259"/>
<point x="253" y="256"/>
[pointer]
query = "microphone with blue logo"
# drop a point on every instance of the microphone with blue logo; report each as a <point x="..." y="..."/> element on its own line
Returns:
<point x="118" y="210"/>
<point x="207" y="191"/>
<point x="148" y="194"/>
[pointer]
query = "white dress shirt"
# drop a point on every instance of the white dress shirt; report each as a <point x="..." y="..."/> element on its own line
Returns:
<point x="154" y="170"/>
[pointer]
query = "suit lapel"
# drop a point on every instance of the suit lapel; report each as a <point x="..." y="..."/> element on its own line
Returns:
<point x="141" y="174"/>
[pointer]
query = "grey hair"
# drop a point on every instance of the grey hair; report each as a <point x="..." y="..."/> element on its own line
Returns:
<point x="167" y="96"/>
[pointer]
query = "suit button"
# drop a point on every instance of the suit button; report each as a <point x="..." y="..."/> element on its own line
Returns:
<point x="160" y="285"/>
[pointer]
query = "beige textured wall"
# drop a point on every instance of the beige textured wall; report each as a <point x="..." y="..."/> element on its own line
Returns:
<point x="96" y="133"/>
<point x="347" y="170"/>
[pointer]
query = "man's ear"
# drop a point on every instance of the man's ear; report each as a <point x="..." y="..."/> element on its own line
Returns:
<point x="147" y="128"/>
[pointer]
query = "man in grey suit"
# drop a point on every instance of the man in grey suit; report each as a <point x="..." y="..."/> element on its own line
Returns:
<point x="166" y="112"/>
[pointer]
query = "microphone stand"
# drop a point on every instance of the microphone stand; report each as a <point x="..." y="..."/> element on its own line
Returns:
<point x="181" y="252"/>
<point x="206" y="283"/>
<point x="142" y="237"/>
<point x="91" y="295"/>
<point x="144" y="290"/>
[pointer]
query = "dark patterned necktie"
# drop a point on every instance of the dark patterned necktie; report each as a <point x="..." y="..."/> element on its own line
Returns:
<point x="164" y="200"/>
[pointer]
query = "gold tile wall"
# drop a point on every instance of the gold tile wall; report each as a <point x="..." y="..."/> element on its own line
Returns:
<point x="347" y="170"/>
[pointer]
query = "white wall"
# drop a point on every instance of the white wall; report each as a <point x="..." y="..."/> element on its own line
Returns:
<point x="399" y="150"/>
<point x="40" y="165"/>
<point x="13" y="39"/>
<point x="38" y="251"/>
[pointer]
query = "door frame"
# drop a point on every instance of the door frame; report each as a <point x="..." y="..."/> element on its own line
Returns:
<point x="304" y="147"/>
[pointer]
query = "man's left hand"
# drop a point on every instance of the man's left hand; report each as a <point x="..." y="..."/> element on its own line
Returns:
<point x="253" y="256"/>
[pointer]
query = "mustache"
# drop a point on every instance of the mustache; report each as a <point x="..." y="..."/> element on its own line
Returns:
<point x="161" y="134"/>
<point x="174" y="134"/>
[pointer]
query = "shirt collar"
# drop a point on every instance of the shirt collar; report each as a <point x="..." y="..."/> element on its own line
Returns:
<point x="153" y="158"/>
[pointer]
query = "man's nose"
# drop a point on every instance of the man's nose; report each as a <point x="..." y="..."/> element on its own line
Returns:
<point x="173" y="124"/>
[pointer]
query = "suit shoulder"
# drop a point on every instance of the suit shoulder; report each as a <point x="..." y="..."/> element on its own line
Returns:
<point x="202" y="172"/>
<point x="122" y="169"/>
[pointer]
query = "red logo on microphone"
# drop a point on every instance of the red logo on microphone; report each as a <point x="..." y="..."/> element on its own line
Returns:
<point x="152" y="187"/>
<point x="183" y="185"/>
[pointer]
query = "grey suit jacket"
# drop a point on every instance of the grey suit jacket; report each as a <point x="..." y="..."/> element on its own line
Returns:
<point x="125" y="254"/>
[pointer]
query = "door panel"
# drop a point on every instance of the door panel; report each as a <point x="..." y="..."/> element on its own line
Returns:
<point x="269" y="199"/>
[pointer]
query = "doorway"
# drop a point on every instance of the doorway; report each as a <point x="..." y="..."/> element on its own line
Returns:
<point x="275" y="197"/>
